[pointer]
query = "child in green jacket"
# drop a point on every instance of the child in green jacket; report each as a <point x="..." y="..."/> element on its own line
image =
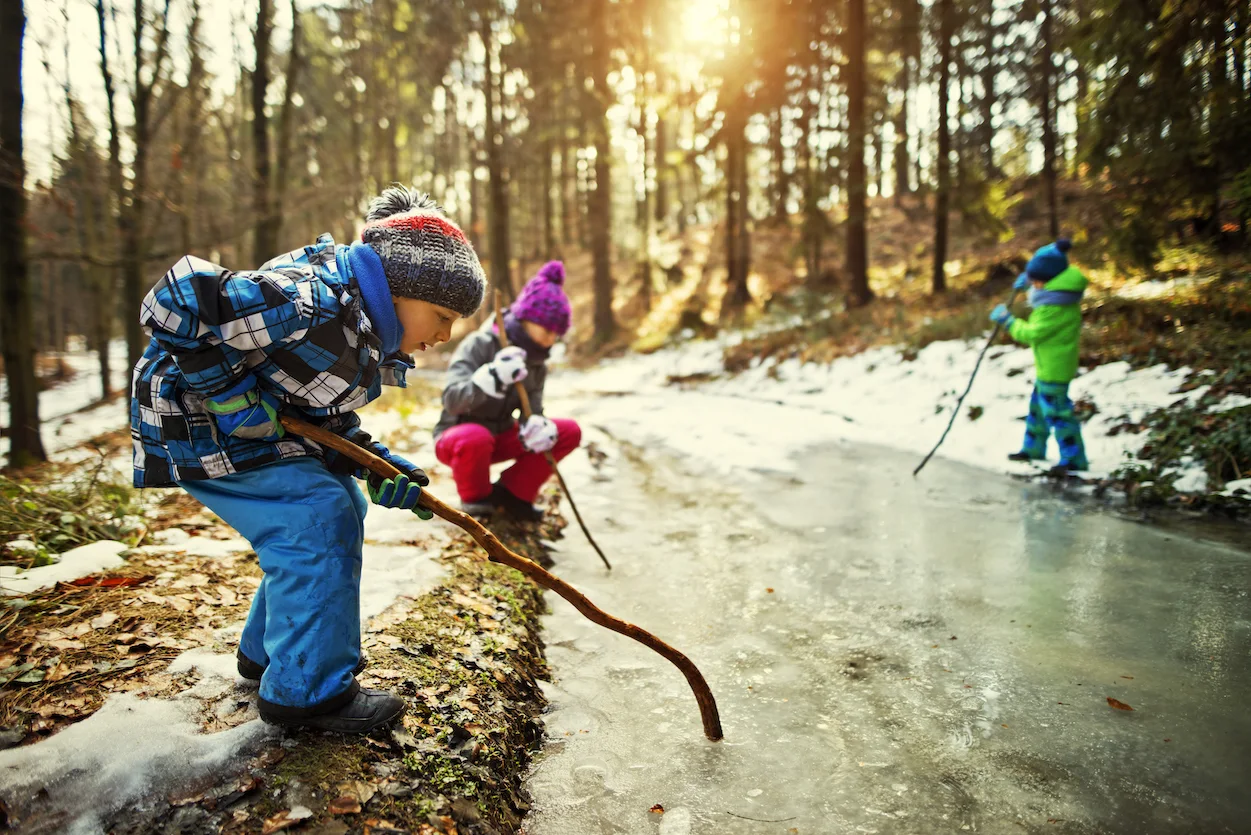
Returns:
<point x="1054" y="331"/>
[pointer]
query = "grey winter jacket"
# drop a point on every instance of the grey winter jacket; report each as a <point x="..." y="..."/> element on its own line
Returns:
<point x="463" y="402"/>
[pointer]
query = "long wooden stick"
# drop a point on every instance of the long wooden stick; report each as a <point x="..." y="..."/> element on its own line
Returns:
<point x="497" y="551"/>
<point x="956" y="412"/>
<point x="551" y="459"/>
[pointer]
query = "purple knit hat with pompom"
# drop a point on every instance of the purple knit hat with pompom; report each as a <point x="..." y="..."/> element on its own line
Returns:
<point x="543" y="300"/>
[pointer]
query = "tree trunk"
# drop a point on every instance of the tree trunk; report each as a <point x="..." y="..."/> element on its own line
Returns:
<point x="777" y="153"/>
<point x="568" y="180"/>
<point x="643" y="256"/>
<point x="286" y="127"/>
<point x="857" y="240"/>
<point x="265" y="245"/>
<point x="986" y="130"/>
<point x="814" y="225"/>
<point x="548" y="209"/>
<point x="600" y="208"/>
<point x="737" y="294"/>
<point x="1047" y="109"/>
<point x="497" y="222"/>
<point x="943" y="163"/>
<point x="663" y="171"/>
<point x="903" y="165"/>
<point x="25" y="445"/>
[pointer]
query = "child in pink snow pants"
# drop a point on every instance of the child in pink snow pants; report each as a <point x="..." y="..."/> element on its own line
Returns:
<point x="478" y="427"/>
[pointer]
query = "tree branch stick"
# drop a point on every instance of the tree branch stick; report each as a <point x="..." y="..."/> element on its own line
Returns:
<point x="497" y="552"/>
<point x="956" y="411"/>
<point x="551" y="459"/>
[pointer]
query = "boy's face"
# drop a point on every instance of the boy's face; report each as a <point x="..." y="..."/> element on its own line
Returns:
<point x="1038" y="283"/>
<point x="424" y="324"/>
<point x="540" y="334"/>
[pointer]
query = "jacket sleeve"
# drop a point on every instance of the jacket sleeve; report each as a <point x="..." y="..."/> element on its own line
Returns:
<point x="460" y="395"/>
<point x="1037" y="330"/>
<point x="209" y="318"/>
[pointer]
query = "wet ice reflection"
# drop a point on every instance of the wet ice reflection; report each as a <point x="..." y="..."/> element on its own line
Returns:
<point x="894" y="656"/>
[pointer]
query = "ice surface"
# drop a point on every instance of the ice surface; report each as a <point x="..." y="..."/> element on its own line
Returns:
<point x="889" y="654"/>
<point x="79" y="562"/>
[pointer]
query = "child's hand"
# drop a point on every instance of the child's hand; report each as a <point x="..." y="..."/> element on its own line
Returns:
<point x="538" y="434"/>
<point x="1022" y="282"/>
<point x="399" y="492"/>
<point x="508" y="367"/>
<point x="245" y="411"/>
<point x="1001" y="316"/>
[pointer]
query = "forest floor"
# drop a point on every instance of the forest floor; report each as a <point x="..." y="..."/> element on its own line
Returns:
<point x="120" y="709"/>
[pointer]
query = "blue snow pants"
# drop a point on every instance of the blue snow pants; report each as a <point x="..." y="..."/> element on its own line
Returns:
<point x="1050" y="410"/>
<point x="307" y="527"/>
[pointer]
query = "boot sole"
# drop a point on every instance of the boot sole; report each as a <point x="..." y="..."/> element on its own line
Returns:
<point x="312" y="723"/>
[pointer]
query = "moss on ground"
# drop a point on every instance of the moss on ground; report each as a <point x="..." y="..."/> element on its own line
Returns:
<point x="467" y="658"/>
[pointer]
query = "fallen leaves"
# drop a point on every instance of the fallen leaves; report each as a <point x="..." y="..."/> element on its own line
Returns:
<point x="108" y="582"/>
<point x="346" y="805"/>
<point x="657" y="809"/>
<point x="1119" y="705"/>
<point x="286" y="819"/>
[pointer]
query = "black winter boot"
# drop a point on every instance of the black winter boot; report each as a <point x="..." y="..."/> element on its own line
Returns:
<point x="358" y="711"/>
<point x="1020" y="456"/>
<point x="252" y="671"/>
<point x="517" y="508"/>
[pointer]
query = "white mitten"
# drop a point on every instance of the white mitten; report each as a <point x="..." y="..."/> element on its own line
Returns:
<point x="538" y="434"/>
<point x="508" y="367"/>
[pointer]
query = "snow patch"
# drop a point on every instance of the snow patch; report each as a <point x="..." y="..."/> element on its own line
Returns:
<point x="207" y="664"/>
<point x="79" y="562"/>
<point x="763" y="417"/>
<point x="129" y="751"/>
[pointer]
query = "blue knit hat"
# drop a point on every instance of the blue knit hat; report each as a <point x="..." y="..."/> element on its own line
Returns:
<point x="1049" y="261"/>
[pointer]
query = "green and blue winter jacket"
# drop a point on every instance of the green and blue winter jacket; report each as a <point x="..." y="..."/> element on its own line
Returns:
<point x="1054" y="327"/>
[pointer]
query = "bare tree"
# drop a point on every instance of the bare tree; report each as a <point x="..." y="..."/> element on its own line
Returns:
<point x="264" y="242"/>
<point x="18" y="343"/>
<point x="942" y="201"/>
<point x="498" y="231"/>
<point x="857" y="241"/>
<point x="600" y="199"/>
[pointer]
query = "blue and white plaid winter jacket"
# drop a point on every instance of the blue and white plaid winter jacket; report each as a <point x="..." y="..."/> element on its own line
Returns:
<point x="298" y="324"/>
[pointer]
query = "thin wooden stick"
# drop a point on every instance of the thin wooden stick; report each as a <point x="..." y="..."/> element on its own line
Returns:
<point x="551" y="459"/>
<point x="956" y="412"/>
<point x="497" y="551"/>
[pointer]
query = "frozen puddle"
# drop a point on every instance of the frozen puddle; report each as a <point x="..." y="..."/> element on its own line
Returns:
<point x="890" y="655"/>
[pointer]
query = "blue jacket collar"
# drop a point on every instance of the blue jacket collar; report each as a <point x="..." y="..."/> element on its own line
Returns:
<point x="1038" y="298"/>
<point x="376" y="295"/>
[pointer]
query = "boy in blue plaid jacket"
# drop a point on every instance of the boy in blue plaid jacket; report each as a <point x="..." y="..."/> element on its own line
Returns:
<point x="317" y="332"/>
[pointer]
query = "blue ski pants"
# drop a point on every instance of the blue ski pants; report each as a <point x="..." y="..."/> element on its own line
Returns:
<point x="307" y="527"/>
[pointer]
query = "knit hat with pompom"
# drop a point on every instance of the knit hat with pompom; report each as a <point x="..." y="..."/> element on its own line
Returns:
<point x="1049" y="261"/>
<point x="543" y="300"/>
<point x="424" y="255"/>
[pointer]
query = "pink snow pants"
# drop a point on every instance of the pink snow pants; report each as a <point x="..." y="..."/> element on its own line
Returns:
<point x="470" y="449"/>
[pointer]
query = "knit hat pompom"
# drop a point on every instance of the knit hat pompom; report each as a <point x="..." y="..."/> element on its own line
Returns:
<point x="424" y="255"/>
<point x="397" y="200"/>
<point x="543" y="300"/>
<point x="553" y="271"/>
<point x="1064" y="244"/>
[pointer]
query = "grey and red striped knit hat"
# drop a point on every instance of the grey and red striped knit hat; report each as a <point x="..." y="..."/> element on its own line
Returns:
<point x="424" y="255"/>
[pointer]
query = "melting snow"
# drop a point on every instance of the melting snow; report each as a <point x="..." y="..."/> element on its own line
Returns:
<point x="80" y="562"/>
